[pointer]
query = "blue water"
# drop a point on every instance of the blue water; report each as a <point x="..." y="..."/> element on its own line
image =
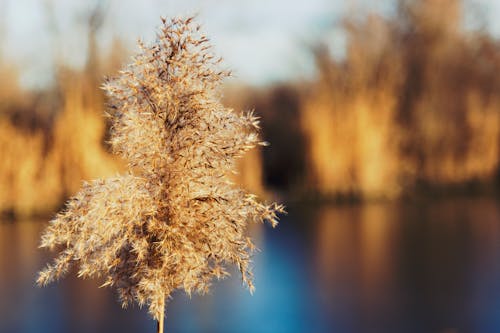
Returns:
<point x="426" y="267"/>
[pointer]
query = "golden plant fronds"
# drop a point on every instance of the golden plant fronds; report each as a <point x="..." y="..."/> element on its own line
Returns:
<point x="41" y="167"/>
<point x="175" y="220"/>
<point x="410" y="108"/>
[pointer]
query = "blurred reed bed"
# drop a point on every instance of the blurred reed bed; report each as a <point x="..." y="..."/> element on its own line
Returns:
<point x="414" y="105"/>
<point x="412" y="108"/>
<point x="44" y="159"/>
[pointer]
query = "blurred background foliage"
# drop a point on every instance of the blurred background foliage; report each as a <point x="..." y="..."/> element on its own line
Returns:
<point x="412" y="108"/>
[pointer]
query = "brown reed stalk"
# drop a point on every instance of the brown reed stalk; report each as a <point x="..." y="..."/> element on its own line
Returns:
<point x="174" y="220"/>
<point x="161" y="321"/>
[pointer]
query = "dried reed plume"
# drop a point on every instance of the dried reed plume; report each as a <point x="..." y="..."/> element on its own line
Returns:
<point x="175" y="219"/>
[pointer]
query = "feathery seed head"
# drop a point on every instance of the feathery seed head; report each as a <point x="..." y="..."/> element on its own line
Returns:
<point x="175" y="219"/>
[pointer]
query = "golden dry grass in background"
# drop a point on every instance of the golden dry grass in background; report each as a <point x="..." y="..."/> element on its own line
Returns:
<point x="413" y="107"/>
<point x="41" y="167"/>
<point x="415" y="103"/>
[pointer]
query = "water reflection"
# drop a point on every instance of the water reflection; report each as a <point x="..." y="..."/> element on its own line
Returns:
<point x="355" y="257"/>
<point x="427" y="267"/>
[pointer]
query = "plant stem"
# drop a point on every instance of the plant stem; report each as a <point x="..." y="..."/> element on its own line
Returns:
<point x="160" y="322"/>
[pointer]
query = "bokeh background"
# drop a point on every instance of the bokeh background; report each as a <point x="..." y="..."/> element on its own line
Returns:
<point x="384" y="124"/>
